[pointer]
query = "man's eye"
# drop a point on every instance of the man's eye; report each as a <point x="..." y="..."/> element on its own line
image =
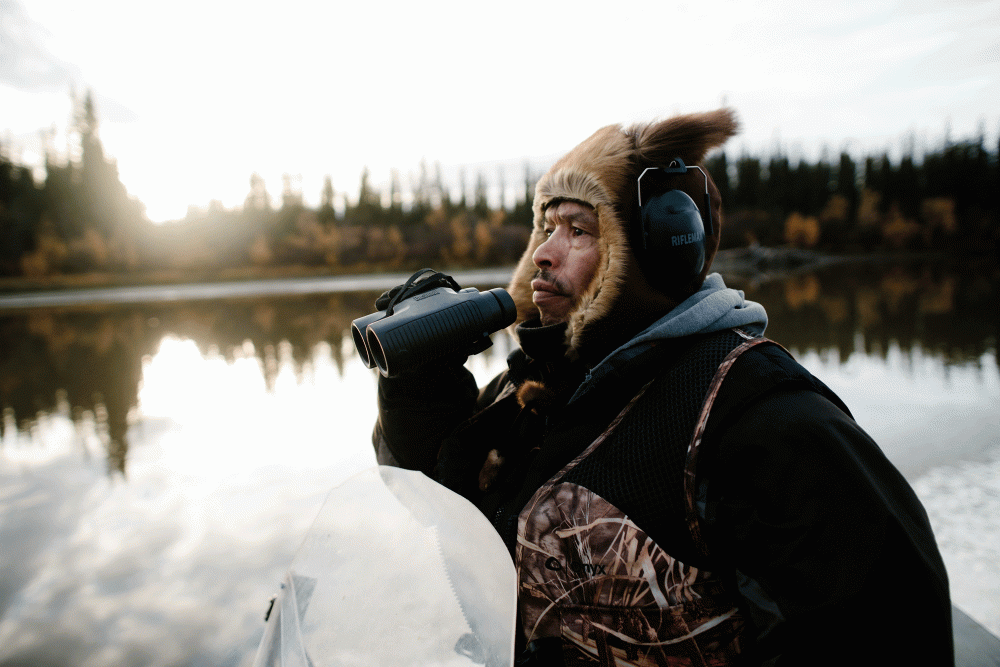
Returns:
<point x="548" y="232"/>
<point x="578" y="232"/>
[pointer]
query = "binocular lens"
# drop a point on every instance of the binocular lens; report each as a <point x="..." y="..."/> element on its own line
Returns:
<point x="359" y="342"/>
<point x="377" y="353"/>
<point x="359" y="329"/>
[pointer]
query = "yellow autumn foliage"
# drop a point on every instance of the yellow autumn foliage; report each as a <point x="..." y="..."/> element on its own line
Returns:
<point x="802" y="231"/>
<point x="837" y="209"/>
<point x="939" y="213"/>
<point x="868" y="214"/>
<point x="898" y="230"/>
<point x="802" y="290"/>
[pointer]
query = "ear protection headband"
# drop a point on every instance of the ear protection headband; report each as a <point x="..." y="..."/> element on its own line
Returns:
<point x="671" y="249"/>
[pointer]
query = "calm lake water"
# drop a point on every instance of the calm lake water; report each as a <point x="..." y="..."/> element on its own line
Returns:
<point x="161" y="462"/>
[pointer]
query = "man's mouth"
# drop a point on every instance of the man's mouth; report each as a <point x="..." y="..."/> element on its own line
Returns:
<point x="548" y="285"/>
<point x="546" y="288"/>
<point x="551" y="297"/>
<point x="548" y="295"/>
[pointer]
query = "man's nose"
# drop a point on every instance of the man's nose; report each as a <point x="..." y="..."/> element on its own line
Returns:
<point x="549" y="254"/>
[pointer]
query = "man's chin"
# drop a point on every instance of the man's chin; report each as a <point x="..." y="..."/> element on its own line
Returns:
<point x="553" y="307"/>
<point x="549" y="317"/>
<point x="547" y="321"/>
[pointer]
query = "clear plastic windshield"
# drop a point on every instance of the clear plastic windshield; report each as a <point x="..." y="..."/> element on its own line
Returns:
<point x="396" y="570"/>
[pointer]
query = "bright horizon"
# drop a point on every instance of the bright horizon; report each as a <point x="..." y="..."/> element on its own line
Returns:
<point x="194" y="99"/>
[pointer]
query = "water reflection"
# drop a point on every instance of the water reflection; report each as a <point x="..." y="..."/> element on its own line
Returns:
<point x="948" y="311"/>
<point x="93" y="361"/>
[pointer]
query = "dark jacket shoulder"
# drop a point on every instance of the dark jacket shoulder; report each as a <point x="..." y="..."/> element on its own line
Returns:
<point x="820" y="533"/>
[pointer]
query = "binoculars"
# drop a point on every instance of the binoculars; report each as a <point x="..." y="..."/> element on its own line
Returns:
<point x="434" y="324"/>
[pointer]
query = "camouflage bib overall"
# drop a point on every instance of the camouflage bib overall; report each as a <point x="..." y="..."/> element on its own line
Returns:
<point x="589" y="574"/>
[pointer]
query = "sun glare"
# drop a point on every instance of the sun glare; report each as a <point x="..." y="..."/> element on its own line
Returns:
<point x="224" y="414"/>
<point x="178" y="381"/>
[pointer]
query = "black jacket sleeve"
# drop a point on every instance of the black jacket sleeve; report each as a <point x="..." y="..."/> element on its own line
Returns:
<point x="829" y="548"/>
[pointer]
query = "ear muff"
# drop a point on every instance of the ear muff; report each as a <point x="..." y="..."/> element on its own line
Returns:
<point x="671" y="250"/>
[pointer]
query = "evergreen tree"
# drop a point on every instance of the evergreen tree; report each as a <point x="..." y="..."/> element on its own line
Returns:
<point x="502" y="189"/>
<point x="107" y="216"/>
<point x="422" y="197"/>
<point x="481" y="205"/>
<point x="748" y="193"/>
<point x="810" y="187"/>
<point x="718" y="167"/>
<point x="777" y="186"/>
<point x="20" y="214"/>
<point x="95" y="191"/>
<point x="522" y="214"/>
<point x="291" y="194"/>
<point x="845" y="188"/>
<point x="394" y="214"/>
<point x="258" y="198"/>
<point x="284" y="223"/>
<point x="463" y="201"/>
<point x="440" y="196"/>
<point x="368" y="210"/>
<point x="846" y="184"/>
<point x="326" y="214"/>
<point x="907" y="191"/>
<point x="878" y="175"/>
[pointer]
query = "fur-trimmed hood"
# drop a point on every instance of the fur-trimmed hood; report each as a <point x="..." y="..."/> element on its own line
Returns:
<point x="603" y="172"/>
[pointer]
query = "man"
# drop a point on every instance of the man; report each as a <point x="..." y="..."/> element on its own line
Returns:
<point x="674" y="488"/>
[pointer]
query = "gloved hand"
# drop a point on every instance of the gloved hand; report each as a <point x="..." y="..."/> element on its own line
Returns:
<point x="419" y="407"/>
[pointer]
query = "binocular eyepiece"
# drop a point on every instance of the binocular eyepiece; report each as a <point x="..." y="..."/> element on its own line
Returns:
<point x="431" y="325"/>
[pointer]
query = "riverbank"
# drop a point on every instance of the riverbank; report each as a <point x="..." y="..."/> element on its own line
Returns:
<point x="102" y="279"/>
<point x="744" y="267"/>
<point x="753" y="264"/>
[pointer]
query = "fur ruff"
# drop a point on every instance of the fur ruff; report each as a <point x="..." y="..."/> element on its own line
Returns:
<point x="602" y="172"/>
<point x="535" y="396"/>
<point x="490" y="470"/>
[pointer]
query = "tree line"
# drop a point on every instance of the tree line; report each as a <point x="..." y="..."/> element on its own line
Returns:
<point x="948" y="199"/>
<point x="79" y="218"/>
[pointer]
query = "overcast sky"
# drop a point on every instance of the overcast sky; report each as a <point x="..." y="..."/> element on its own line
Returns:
<point x="194" y="96"/>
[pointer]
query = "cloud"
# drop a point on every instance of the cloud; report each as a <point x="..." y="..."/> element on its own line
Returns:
<point x="175" y="566"/>
<point x="26" y="62"/>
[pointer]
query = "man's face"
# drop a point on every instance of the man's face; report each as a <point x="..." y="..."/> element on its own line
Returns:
<point x="566" y="261"/>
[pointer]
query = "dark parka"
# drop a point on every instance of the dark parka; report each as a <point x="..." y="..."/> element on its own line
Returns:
<point x="687" y="499"/>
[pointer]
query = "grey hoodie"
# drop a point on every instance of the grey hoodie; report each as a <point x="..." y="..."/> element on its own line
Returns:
<point x="714" y="307"/>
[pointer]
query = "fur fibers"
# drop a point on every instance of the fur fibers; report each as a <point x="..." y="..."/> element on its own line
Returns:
<point x="602" y="172"/>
